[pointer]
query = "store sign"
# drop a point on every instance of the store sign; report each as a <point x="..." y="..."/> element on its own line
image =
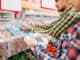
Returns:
<point x="48" y="4"/>
<point x="11" y="5"/>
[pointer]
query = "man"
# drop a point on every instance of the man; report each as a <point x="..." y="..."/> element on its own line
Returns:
<point x="69" y="42"/>
<point x="67" y="19"/>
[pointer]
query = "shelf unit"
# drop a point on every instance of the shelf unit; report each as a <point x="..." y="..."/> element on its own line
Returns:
<point x="6" y="18"/>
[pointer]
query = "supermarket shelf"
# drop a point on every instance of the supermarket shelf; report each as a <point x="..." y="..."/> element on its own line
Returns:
<point x="31" y="12"/>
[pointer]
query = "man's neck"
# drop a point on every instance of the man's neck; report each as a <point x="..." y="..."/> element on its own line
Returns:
<point x="66" y="10"/>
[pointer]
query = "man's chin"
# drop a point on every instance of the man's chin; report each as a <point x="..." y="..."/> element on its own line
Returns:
<point x="61" y="10"/>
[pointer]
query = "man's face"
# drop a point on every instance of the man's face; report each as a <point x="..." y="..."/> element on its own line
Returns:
<point x="76" y="5"/>
<point x="60" y="5"/>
